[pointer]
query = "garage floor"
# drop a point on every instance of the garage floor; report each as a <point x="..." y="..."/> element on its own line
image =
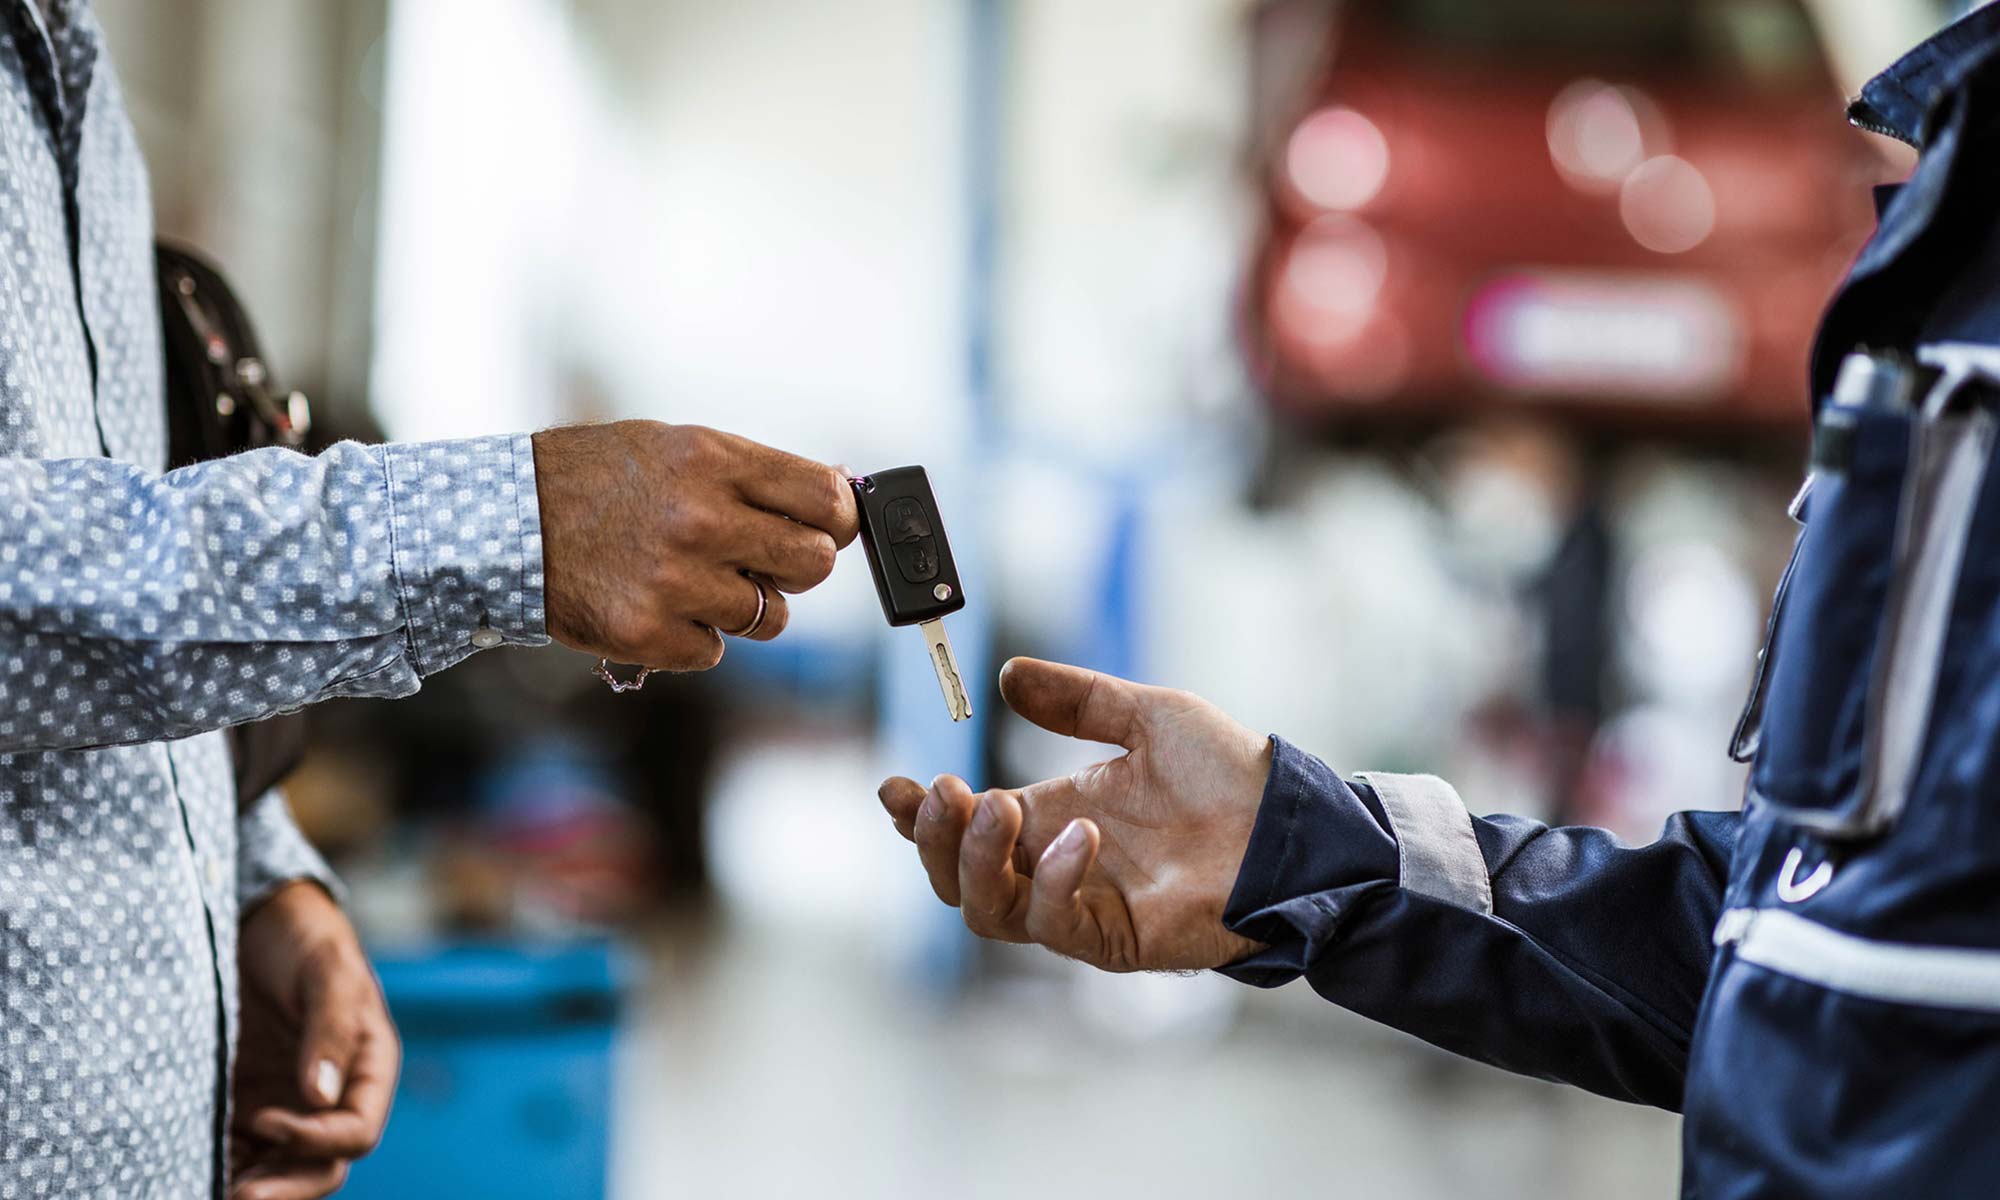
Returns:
<point x="791" y="1044"/>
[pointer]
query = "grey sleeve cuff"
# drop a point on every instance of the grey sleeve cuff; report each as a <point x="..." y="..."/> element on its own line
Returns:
<point x="271" y="852"/>
<point x="1437" y="854"/>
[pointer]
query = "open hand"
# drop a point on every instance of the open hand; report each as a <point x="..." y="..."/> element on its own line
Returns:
<point x="1126" y="864"/>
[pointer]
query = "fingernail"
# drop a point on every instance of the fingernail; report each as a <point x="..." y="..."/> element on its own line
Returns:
<point x="1070" y="842"/>
<point x="326" y="1078"/>
<point x="986" y="816"/>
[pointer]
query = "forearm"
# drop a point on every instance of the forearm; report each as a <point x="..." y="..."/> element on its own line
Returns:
<point x="137" y="607"/>
<point x="1552" y="952"/>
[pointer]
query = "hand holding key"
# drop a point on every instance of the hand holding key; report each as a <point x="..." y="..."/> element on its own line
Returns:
<point x="654" y="537"/>
<point x="1127" y="864"/>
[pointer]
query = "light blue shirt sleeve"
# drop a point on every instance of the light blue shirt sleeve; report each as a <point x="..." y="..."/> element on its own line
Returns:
<point x="271" y="852"/>
<point x="137" y="607"/>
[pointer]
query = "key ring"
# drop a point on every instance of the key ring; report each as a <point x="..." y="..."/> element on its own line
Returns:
<point x="603" y="671"/>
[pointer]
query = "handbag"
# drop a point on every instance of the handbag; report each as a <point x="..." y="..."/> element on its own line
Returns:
<point x="221" y="401"/>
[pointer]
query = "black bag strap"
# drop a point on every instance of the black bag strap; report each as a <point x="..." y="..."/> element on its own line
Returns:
<point x="221" y="401"/>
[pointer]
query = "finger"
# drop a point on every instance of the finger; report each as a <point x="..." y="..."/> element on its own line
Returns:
<point x="353" y="1129"/>
<point x="795" y="557"/>
<point x="941" y="822"/>
<point x="371" y="1086"/>
<point x="1074" y="702"/>
<point x="327" y="1134"/>
<point x="806" y="491"/>
<point x="679" y="644"/>
<point x="328" y="1032"/>
<point x="290" y="1181"/>
<point x="1056" y="915"/>
<point x="988" y="887"/>
<point x="901" y="798"/>
<point x="726" y="601"/>
<point x="1046" y="809"/>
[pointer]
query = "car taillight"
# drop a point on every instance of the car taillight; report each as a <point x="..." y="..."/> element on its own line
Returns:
<point x="1667" y="205"/>
<point x="1328" y="283"/>
<point x="1599" y="133"/>
<point x="1337" y="160"/>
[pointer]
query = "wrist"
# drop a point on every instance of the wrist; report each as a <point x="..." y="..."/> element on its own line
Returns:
<point x="1315" y="852"/>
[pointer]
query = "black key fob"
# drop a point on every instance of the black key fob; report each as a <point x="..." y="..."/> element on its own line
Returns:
<point x="915" y="577"/>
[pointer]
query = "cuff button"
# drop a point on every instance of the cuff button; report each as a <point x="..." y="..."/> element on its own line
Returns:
<point x="486" y="639"/>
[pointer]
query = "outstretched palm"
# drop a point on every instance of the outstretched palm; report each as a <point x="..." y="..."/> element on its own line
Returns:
<point x="1126" y="864"/>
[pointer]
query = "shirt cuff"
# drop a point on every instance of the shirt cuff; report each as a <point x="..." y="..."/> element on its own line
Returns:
<point x="1317" y="850"/>
<point x="271" y="852"/>
<point x="466" y="527"/>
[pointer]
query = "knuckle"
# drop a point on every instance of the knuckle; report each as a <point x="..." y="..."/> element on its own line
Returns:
<point x="699" y="440"/>
<point x="834" y="490"/>
<point x="692" y="448"/>
<point x="699" y="522"/>
<point x="637" y="637"/>
<point x="820" y="556"/>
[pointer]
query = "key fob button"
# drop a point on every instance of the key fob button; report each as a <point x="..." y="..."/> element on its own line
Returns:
<point x="917" y="560"/>
<point x="909" y="552"/>
<point x="906" y="520"/>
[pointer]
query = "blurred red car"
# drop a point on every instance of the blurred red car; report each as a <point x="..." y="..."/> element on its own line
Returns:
<point x="1622" y="205"/>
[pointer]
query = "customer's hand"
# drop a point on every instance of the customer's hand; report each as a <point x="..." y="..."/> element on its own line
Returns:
<point x="317" y="1058"/>
<point x="1127" y="864"/>
<point x="647" y="530"/>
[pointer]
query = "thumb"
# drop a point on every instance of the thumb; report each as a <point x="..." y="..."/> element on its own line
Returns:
<point x="1072" y="701"/>
<point x="327" y="1042"/>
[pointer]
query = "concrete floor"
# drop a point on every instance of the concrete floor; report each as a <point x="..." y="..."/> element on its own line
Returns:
<point x="786" y="1046"/>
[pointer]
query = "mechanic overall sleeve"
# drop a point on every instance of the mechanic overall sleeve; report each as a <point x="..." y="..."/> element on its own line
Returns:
<point x="1560" y="953"/>
<point x="137" y="607"/>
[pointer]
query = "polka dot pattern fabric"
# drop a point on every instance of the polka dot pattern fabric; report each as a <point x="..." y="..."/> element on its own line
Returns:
<point x="140" y="613"/>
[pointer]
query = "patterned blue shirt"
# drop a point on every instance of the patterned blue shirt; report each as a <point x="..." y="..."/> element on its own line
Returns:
<point x="140" y="613"/>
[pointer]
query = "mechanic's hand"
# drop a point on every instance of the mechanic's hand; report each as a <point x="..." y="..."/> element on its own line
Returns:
<point x="1126" y="864"/>
<point x="648" y="528"/>
<point x="317" y="1058"/>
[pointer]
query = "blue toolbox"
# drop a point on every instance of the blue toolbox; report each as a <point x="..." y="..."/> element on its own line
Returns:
<point x="507" y="1071"/>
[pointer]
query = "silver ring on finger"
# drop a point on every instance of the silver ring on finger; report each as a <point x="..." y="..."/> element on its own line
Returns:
<point x="763" y="607"/>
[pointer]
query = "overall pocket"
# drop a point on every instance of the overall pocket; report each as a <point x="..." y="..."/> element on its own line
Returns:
<point x="1833" y="1066"/>
<point x="1826" y="625"/>
<point x="1868" y="600"/>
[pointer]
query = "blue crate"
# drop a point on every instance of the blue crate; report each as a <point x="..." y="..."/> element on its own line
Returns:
<point x="506" y="1088"/>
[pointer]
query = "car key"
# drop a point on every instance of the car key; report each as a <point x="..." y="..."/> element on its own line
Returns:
<point x="914" y="573"/>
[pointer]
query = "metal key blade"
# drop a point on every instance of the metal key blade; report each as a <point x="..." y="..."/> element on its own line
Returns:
<point x="946" y="664"/>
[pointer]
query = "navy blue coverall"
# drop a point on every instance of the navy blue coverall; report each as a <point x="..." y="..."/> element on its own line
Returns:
<point x="1814" y="982"/>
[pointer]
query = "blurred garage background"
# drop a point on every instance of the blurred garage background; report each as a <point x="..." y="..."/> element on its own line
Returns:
<point x="1421" y="379"/>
